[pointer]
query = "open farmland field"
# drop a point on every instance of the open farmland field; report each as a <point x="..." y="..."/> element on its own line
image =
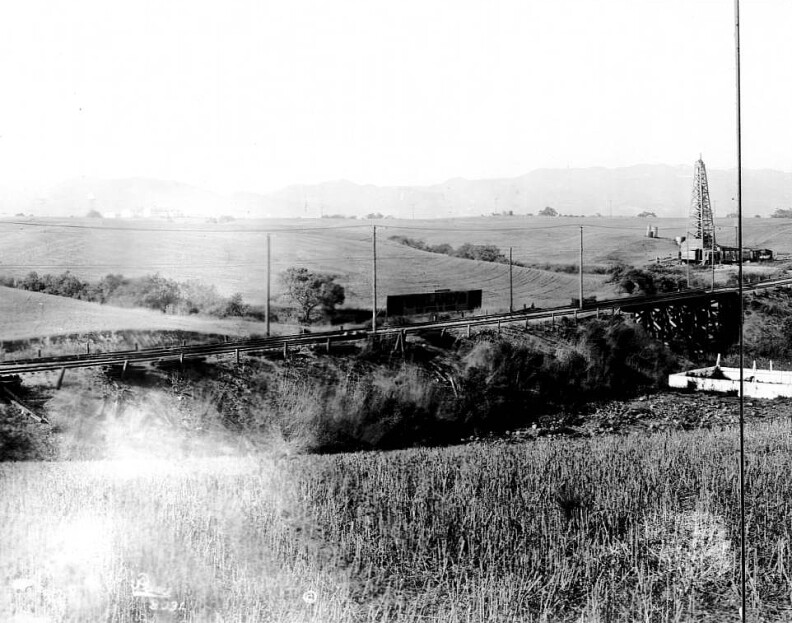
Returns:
<point x="26" y="315"/>
<point x="641" y="527"/>
<point x="233" y="256"/>
<point x="605" y="240"/>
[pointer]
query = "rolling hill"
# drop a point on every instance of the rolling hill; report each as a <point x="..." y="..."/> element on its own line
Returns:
<point x="232" y="257"/>
<point x="32" y="314"/>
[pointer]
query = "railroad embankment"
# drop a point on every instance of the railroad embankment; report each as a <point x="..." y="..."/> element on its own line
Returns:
<point x="595" y="377"/>
<point x="425" y="392"/>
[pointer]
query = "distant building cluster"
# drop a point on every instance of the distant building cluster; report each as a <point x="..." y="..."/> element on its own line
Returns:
<point x="149" y="212"/>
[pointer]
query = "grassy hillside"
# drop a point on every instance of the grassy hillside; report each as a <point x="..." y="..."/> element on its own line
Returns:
<point x="233" y="256"/>
<point x="31" y="314"/>
<point x="557" y="240"/>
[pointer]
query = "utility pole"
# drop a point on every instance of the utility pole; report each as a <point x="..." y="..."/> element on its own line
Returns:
<point x="580" y="272"/>
<point x="374" y="280"/>
<point x="511" y="283"/>
<point x="267" y="308"/>
<point x="743" y="547"/>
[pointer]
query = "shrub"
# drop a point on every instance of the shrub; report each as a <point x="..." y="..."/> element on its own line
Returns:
<point x="381" y="408"/>
<point x="235" y="306"/>
<point x="443" y="248"/>
<point x="648" y="281"/>
<point x="506" y="385"/>
<point x="197" y="297"/>
<point x="21" y="439"/>
<point x="150" y="291"/>
<point x="102" y="291"/>
<point x="64" y="284"/>
<point x="480" y="252"/>
<point x="411" y="242"/>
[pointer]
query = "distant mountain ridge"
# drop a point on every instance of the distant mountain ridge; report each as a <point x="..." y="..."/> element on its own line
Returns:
<point x="626" y="191"/>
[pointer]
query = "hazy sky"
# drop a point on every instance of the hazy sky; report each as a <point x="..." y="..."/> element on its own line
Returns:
<point x="253" y="94"/>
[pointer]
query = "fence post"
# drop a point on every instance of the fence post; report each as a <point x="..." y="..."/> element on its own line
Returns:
<point x="60" y="378"/>
<point x="236" y="354"/>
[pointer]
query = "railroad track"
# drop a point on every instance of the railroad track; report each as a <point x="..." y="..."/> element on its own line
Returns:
<point x="286" y="342"/>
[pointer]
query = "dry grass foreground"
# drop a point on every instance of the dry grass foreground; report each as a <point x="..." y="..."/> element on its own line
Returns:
<point x="643" y="527"/>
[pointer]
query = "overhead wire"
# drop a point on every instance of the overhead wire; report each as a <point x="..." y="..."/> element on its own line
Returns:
<point x="199" y="228"/>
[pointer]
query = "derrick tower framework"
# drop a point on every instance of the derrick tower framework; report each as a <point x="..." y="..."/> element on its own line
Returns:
<point x="701" y="226"/>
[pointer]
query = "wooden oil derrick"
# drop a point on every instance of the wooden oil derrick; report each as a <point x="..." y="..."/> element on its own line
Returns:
<point x="701" y="226"/>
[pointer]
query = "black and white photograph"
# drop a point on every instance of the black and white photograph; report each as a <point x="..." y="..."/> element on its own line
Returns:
<point x="428" y="311"/>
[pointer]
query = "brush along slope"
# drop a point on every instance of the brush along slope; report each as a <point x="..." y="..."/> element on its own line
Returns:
<point x="32" y="314"/>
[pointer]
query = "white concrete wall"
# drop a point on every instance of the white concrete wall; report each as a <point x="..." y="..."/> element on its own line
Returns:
<point x="758" y="384"/>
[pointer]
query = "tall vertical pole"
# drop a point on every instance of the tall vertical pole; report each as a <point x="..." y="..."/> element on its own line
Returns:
<point x="712" y="237"/>
<point x="511" y="283"/>
<point x="742" y="311"/>
<point x="269" y="273"/>
<point x="580" y="271"/>
<point x="374" y="280"/>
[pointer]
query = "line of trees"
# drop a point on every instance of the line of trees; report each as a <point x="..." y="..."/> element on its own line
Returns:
<point x="468" y="251"/>
<point x="306" y="290"/>
<point x="150" y="291"/>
